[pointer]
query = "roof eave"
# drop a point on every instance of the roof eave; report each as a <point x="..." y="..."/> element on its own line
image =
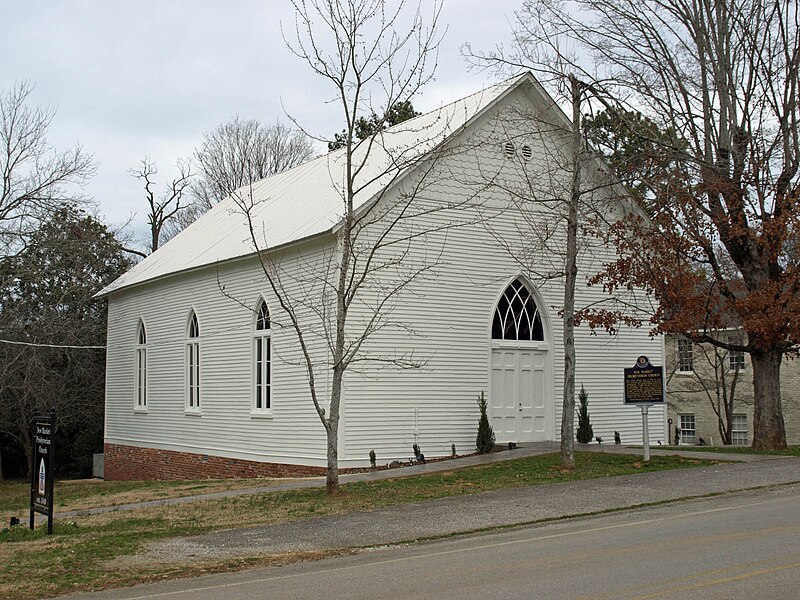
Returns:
<point x="106" y="292"/>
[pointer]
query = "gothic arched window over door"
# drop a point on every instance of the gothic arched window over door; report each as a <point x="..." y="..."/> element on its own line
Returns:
<point x="516" y="316"/>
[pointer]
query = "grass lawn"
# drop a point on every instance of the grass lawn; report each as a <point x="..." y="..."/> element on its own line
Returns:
<point x="15" y="496"/>
<point x="790" y="451"/>
<point x="91" y="553"/>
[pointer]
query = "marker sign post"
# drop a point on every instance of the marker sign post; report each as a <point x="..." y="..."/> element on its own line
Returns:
<point x="44" y="429"/>
<point x="644" y="386"/>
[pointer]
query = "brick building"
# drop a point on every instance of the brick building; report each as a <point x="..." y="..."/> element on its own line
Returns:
<point x="700" y="381"/>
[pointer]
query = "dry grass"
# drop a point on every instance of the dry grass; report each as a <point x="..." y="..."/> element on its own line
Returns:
<point x="79" y="494"/>
<point x="95" y="552"/>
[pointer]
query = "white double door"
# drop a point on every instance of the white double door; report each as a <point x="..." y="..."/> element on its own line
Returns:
<point x="518" y="404"/>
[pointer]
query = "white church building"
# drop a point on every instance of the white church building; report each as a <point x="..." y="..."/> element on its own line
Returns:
<point x="205" y="376"/>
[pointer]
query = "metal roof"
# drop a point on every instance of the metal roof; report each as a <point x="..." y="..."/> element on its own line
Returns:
<point x="307" y="200"/>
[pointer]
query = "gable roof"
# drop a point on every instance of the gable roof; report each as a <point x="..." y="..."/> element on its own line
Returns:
<point x="306" y="200"/>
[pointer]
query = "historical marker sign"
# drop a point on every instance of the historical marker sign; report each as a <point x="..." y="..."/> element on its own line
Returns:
<point x="644" y="383"/>
<point x="644" y="386"/>
<point x="44" y="429"/>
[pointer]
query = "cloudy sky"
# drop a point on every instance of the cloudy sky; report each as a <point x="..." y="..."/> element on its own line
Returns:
<point x="130" y="79"/>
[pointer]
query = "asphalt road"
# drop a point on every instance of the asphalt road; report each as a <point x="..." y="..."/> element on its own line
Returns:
<point x="743" y="545"/>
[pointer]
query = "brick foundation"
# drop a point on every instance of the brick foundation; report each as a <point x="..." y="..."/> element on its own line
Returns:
<point x="123" y="463"/>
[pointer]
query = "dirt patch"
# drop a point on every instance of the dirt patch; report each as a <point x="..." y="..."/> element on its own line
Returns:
<point x="177" y="551"/>
<point x="183" y="556"/>
<point x="178" y="490"/>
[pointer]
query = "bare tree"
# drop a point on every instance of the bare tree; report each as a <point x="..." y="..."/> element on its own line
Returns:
<point x="724" y="76"/>
<point x="164" y="208"/>
<point x="538" y="48"/>
<point x="571" y="276"/>
<point x="715" y="379"/>
<point x="348" y="295"/>
<point x="35" y="178"/>
<point x="234" y="155"/>
<point x="559" y="207"/>
<point x="54" y="331"/>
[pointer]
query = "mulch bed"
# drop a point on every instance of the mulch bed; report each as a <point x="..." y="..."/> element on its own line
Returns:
<point x="399" y="464"/>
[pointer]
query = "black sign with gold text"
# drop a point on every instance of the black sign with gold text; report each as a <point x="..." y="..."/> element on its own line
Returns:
<point x="644" y="383"/>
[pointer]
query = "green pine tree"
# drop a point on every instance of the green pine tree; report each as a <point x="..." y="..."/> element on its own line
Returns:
<point x="485" y="440"/>
<point x="400" y="111"/>
<point x="584" y="433"/>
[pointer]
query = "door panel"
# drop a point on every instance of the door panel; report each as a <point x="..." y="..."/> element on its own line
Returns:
<point x="518" y="402"/>
<point x="525" y="398"/>
<point x="539" y="396"/>
<point x="503" y="409"/>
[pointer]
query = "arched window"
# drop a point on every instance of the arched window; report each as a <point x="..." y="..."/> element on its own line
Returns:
<point x="193" y="364"/>
<point x="140" y="369"/>
<point x="516" y="316"/>
<point x="262" y="360"/>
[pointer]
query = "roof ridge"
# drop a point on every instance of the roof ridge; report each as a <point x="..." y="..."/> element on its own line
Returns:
<point x="483" y="90"/>
<point x="333" y="154"/>
<point x="304" y="201"/>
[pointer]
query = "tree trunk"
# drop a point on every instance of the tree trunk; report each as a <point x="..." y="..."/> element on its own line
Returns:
<point x="332" y="432"/>
<point x="332" y="429"/>
<point x="23" y="437"/>
<point x="723" y="411"/>
<point x="28" y="460"/>
<point x="571" y="275"/>
<point x="727" y="438"/>
<point x="727" y="434"/>
<point x="769" y="432"/>
<point x="155" y="233"/>
<point x="332" y="474"/>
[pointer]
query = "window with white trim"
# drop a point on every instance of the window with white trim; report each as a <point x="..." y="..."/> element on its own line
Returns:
<point x="517" y="316"/>
<point x="140" y="369"/>
<point x="735" y="357"/>
<point x="688" y="431"/>
<point x="262" y="360"/>
<point x="193" y="364"/>
<point x="739" y="430"/>
<point x="685" y="356"/>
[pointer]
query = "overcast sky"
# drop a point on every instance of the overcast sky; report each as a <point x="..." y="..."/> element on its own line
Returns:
<point x="130" y="79"/>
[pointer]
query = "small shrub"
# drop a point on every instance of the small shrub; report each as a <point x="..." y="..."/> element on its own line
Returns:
<point x="372" y="459"/>
<point x="415" y="448"/>
<point x="584" y="433"/>
<point x="677" y="435"/>
<point x="617" y="438"/>
<point x="453" y="450"/>
<point x="485" y="440"/>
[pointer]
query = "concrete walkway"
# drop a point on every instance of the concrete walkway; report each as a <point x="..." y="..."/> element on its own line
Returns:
<point x="523" y="450"/>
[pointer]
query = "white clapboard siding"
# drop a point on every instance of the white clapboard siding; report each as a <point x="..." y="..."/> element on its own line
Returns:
<point x="446" y="321"/>
<point x="226" y="426"/>
<point x="436" y="405"/>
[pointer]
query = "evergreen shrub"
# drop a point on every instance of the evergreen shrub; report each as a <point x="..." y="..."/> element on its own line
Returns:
<point x="584" y="433"/>
<point x="485" y="440"/>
